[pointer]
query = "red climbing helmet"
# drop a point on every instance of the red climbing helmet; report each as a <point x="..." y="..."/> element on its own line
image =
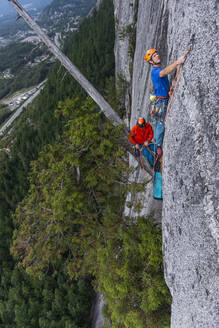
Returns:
<point x="149" y="54"/>
<point x="141" y="122"/>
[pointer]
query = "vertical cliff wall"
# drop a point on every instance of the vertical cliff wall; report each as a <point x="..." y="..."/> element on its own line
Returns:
<point x="190" y="173"/>
<point x="125" y="13"/>
<point x="190" y="209"/>
<point x="97" y="312"/>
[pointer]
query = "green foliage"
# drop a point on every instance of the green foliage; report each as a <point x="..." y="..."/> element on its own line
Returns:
<point x="94" y="56"/>
<point x="129" y="31"/>
<point x="130" y="276"/>
<point x="38" y="126"/>
<point x="126" y="31"/>
<point x="75" y="220"/>
<point x="16" y="57"/>
<point x="66" y="204"/>
<point x="51" y="302"/>
<point x="4" y="114"/>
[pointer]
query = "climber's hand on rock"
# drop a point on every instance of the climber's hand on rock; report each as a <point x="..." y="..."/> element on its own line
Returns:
<point x="181" y="60"/>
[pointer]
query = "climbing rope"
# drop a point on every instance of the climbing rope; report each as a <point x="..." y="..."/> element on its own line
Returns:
<point x="175" y="83"/>
<point x="142" y="165"/>
<point x="171" y="93"/>
<point x="141" y="162"/>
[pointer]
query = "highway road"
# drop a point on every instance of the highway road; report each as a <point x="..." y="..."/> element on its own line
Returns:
<point x="20" y="109"/>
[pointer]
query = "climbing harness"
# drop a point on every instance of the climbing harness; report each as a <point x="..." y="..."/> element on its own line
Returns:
<point x="175" y="83"/>
<point x="158" y="105"/>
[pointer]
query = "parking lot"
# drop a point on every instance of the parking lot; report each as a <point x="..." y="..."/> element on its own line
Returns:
<point x="16" y="101"/>
<point x="18" y="108"/>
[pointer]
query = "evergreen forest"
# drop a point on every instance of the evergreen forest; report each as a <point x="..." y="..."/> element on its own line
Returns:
<point x="63" y="233"/>
<point x="19" y="57"/>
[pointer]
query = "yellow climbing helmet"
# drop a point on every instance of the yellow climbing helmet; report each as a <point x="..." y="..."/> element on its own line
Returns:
<point x="149" y="54"/>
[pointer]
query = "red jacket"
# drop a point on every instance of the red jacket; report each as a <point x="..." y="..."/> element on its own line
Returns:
<point x="140" y="135"/>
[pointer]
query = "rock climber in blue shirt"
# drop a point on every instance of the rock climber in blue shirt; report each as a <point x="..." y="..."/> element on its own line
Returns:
<point x="161" y="91"/>
<point x="161" y="85"/>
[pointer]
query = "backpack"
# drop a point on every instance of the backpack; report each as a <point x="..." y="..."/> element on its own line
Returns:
<point x="157" y="180"/>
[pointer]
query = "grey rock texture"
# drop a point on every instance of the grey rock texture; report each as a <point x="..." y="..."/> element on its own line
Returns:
<point x="96" y="312"/>
<point x="98" y="4"/>
<point x="190" y="172"/>
<point x="96" y="7"/>
<point x="190" y="207"/>
<point x="133" y="68"/>
<point x="125" y="32"/>
<point x="151" y="31"/>
<point x="149" y="206"/>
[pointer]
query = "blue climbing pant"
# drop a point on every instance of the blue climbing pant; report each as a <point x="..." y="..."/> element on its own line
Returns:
<point x="160" y="113"/>
<point x="159" y="133"/>
<point x="147" y="154"/>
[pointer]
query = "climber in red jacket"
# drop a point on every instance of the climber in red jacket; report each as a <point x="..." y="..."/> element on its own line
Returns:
<point x="141" y="135"/>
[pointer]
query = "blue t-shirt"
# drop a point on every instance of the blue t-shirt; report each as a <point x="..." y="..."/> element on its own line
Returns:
<point x="161" y="84"/>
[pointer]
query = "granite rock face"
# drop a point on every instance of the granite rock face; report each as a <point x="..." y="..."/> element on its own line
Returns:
<point x="151" y="32"/>
<point x="190" y="170"/>
<point x="125" y="13"/>
<point x="96" y="7"/>
<point x="190" y="207"/>
<point x="133" y="17"/>
<point x="97" y="311"/>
